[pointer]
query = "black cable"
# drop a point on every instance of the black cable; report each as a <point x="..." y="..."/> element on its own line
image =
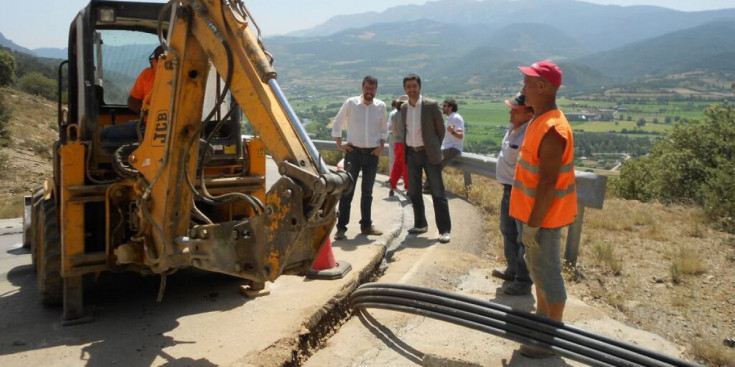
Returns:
<point x="513" y="332"/>
<point x="525" y="319"/>
<point x="472" y="325"/>
<point x="544" y="332"/>
<point x="557" y="324"/>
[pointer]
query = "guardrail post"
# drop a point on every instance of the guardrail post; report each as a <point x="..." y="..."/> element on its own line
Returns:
<point x="467" y="180"/>
<point x="574" y="236"/>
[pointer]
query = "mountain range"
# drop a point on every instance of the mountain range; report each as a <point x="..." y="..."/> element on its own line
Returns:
<point x="48" y="52"/>
<point x="468" y="45"/>
<point x="464" y="45"/>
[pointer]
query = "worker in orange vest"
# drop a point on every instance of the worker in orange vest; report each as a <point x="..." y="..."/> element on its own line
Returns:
<point x="544" y="196"/>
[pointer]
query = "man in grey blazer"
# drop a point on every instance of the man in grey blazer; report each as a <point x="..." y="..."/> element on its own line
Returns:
<point x="421" y="127"/>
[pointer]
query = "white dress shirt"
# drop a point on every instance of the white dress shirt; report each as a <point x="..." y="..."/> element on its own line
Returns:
<point x="413" y="124"/>
<point x="366" y="123"/>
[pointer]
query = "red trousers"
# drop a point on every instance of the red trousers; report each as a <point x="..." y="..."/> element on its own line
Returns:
<point x="399" y="166"/>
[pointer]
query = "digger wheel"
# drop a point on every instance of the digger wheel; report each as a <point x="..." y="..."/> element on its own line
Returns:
<point x="120" y="161"/>
<point x="48" y="267"/>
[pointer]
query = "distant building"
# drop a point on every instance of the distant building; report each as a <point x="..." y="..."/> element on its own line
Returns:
<point x="576" y="116"/>
<point x="597" y="115"/>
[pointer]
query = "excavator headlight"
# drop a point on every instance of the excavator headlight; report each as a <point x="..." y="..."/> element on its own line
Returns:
<point x="107" y="15"/>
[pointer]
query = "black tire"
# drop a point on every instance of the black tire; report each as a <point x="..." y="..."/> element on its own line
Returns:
<point x="48" y="268"/>
<point x="120" y="161"/>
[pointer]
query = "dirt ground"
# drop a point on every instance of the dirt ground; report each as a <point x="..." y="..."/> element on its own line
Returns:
<point x="26" y="160"/>
<point x="659" y="268"/>
<point x="663" y="269"/>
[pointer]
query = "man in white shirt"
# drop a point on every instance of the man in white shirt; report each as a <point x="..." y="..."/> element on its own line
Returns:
<point x="367" y="131"/>
<point x="454" y="138"/>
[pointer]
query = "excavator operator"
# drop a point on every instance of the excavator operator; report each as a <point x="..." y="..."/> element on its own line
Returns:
<point x="139" y="99"/>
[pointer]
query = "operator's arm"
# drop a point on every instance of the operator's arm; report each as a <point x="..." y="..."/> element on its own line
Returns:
<point x="550" y="153"/>
<point x="141" y="88"/>
<point x="135" y="104"/>
<point x="339" y="123"/>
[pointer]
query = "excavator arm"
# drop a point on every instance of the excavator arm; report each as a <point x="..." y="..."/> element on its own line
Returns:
<point x="284" y="233"/>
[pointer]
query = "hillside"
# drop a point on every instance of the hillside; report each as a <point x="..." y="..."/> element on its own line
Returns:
<point x="466" y="58"/>
<point x="707" y="46"/>
<point x="598" y="27"/>
<point x="29" y="153"/>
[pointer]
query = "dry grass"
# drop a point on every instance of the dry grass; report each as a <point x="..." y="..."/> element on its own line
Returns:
<point x="12" y="207"/>
<point x="625" y="264"/>
<point x="685" y="260"/>
<point x="604" y="253"/>
<point x="715" y="355"/>
<point x="28" y="156"/>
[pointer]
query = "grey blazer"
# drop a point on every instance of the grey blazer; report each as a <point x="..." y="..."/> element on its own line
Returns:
<point x="432" y="128"/>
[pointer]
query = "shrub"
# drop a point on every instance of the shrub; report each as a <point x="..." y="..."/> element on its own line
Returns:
<point x="35" y="83"/>
<point x="7" y="68"/>
<point x="692" y="165"/>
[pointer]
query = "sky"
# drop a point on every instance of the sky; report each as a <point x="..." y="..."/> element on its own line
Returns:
<point x="45" y="23"/>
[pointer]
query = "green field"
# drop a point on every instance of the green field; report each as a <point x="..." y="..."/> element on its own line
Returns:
<point x="487" y="119"/>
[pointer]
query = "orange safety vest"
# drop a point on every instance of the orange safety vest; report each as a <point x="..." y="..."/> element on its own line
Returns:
<point x="523" y="195"/>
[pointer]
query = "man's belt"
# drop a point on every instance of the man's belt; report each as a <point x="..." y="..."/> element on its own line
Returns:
<point x="364" y="150"/>
<point x="417" y="149"/>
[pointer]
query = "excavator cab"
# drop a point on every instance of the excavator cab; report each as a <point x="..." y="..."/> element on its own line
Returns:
<point x="190" y="189"/>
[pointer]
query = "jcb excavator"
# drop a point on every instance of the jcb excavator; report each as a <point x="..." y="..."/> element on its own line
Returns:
<point x="190" y="191"/>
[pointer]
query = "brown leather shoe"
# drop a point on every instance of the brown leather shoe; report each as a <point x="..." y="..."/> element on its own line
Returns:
<point x="371" y="231"/>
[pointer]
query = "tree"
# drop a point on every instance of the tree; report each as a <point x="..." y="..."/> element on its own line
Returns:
<point x="692" y="165"/>
<point x="641" y="122"/>
<point x="7" y="68"/>
<point x="35" y="83"/>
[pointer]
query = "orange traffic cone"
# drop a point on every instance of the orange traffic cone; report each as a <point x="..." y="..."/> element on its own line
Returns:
<point x="325" y="266"/>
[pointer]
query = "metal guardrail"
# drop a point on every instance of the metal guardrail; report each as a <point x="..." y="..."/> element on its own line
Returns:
<point x="590" y="189"/>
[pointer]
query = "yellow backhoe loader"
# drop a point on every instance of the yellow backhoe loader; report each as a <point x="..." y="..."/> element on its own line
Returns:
<point x="189" y="190"/>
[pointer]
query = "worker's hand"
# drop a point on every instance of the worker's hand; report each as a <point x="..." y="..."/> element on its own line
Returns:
<point x="529" y="236"/>
<point x="450" y="128"/>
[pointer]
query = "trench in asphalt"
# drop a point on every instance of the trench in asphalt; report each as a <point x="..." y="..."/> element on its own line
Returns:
<point x="339" y="311"/>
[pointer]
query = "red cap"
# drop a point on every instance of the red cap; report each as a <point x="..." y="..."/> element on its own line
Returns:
<point x="545" y="69"/>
